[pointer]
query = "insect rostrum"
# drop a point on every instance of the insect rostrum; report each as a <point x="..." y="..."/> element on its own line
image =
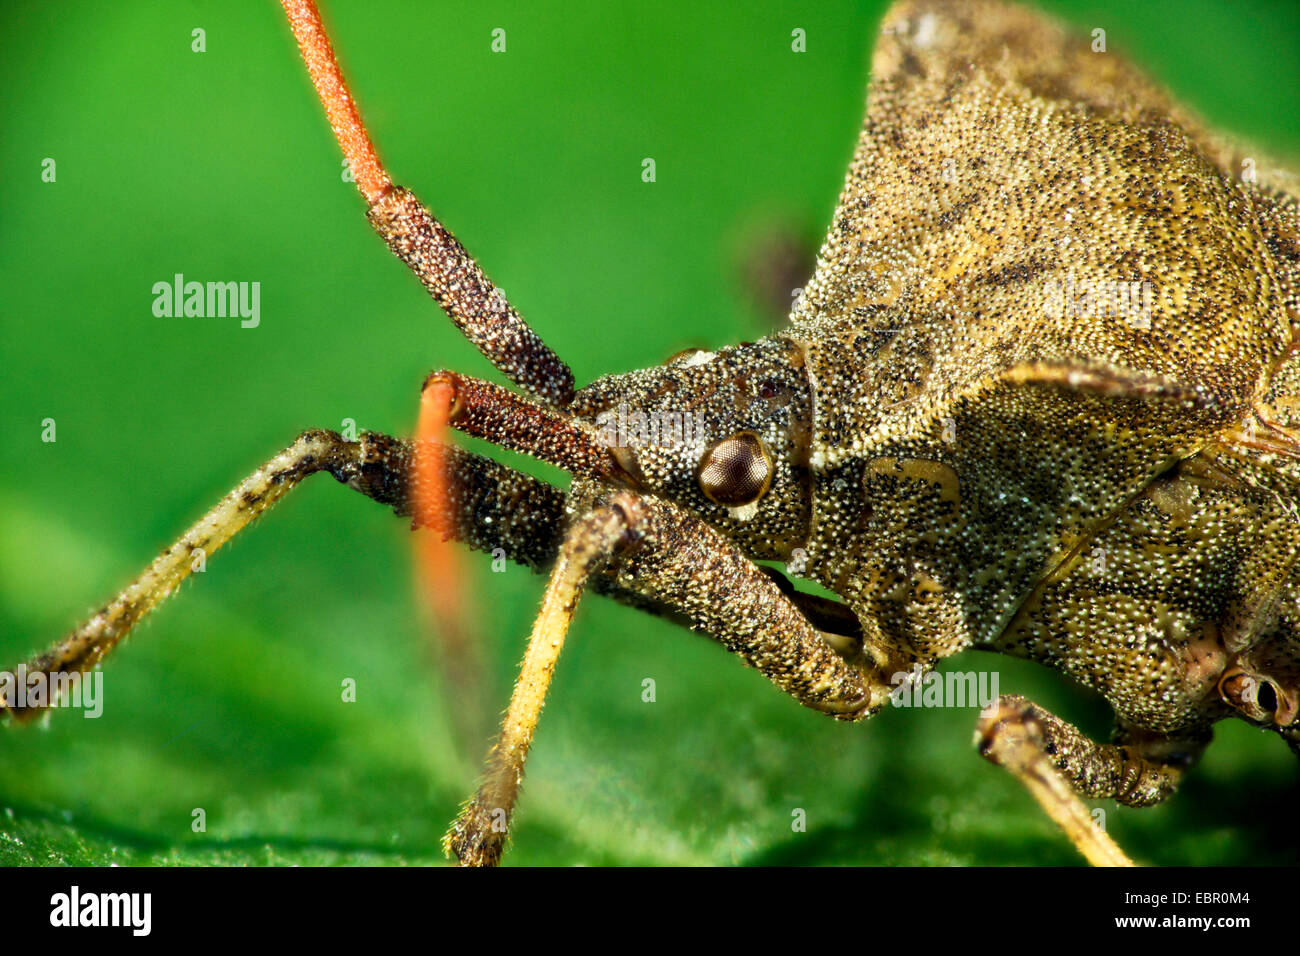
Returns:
<point x="948" y="432"/>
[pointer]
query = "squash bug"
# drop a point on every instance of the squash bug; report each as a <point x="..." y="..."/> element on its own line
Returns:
<point x="1036" y="398"/>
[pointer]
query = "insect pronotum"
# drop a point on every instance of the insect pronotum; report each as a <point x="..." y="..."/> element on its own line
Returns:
<point x="623" y="511"/>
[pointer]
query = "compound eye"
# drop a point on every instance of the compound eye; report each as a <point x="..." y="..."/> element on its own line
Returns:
<point x="736" y="471"/>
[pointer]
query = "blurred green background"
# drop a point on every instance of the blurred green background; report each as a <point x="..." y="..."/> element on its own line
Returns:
<point x="219" y="165"/>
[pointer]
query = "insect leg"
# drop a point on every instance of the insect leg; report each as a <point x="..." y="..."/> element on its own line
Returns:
<point x="687" y="569"/>
<point x="1057" y="764"/>
<point x="477" y="837"/>
<point x="490" y="507"/>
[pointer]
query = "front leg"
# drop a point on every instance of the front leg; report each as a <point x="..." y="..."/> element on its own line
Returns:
<point x="686" y="568"/>
<point x="1058" y="764"/>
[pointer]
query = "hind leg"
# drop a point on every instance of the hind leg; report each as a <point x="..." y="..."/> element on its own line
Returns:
<point x="1058" y="764"/>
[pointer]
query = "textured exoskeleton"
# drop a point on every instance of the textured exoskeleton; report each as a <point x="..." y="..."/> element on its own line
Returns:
<point x="1039" y="397"/>
<point x="1043" y="384"/>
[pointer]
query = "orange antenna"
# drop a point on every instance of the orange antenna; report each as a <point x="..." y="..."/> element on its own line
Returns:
<point x="438" y="559"/>
<point x="449" y="273"/>
<point x="372" y="179"/>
